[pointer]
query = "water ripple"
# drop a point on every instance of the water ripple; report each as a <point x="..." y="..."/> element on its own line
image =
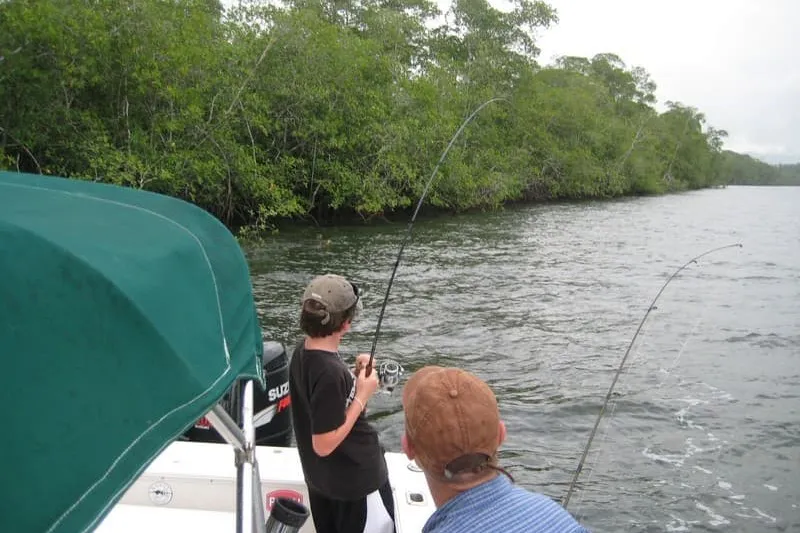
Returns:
<point x="703" y="429"/>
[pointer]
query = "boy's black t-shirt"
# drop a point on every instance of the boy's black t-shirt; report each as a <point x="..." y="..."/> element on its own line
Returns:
<point x="322" y="387"/>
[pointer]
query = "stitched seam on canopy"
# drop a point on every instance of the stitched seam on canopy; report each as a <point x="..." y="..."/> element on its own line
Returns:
<point x="171" y="412"/>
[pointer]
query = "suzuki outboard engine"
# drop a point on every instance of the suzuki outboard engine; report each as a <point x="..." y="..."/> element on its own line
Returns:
<point x="271" y="407"/>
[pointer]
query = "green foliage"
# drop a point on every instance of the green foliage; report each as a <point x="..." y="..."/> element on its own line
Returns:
<point x="740" y="169"/>
<point x="320" y="108"/>
<point x="788" y="174"/>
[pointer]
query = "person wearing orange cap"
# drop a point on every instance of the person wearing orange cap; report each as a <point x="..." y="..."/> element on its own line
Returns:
<point x="342" y="459"/>
<point x="453" y="431"/>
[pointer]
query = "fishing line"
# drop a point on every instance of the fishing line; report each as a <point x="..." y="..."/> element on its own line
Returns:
<point x="614" y="403"/>
<point x="210" y="128"/>
<point x="411" y="225"/>
<point x="586" y="448"/>
<point x="679" y="468"/>
<point x="683" y="346"/>
<point x="661" y="382"/>
<point x="610" y="418"/>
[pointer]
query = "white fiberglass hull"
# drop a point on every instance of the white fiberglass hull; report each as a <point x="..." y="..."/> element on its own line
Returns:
<point x="191" y="486"/>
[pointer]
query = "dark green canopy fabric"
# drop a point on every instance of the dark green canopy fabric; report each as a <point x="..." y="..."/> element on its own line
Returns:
<point x="124" y="317"/>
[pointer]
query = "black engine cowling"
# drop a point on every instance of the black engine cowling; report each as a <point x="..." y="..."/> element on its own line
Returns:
<point x="271" y="407"/>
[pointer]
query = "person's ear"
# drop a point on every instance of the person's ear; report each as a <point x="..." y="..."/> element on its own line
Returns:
<point x="501" y="434"/>
<point x="408" y="448"/>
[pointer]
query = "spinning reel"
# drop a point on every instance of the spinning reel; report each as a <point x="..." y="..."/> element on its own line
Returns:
<point x="389" y="372"/>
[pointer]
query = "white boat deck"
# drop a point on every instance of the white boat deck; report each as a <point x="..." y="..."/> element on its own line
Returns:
<point x="192" y="487"/>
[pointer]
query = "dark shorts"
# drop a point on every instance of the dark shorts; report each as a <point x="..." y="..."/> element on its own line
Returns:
<point x="372" y="514"/>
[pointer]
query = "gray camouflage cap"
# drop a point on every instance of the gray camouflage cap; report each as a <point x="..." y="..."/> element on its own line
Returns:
<point x="334" y="292"/>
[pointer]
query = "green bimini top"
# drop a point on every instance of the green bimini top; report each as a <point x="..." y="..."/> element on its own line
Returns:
<point x="124" y="317"/>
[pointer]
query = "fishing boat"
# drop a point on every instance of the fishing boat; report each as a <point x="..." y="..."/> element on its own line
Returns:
<point x="140" y="391"/>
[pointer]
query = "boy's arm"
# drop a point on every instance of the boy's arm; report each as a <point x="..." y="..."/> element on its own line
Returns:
<point x="329" y="424"/>
<point x="325" y="443"/>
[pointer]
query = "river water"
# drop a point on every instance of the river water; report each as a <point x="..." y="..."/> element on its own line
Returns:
<point x="703" y="433"/>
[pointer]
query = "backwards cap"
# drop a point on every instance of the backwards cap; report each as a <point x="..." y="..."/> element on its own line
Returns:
<point x="452" y="421"/>
<point x="333" y="292"/>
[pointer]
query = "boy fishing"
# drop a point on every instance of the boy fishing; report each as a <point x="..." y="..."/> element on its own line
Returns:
<point x="342" y="458"/>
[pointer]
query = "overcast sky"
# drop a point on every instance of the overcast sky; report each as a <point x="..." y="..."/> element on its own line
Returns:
<point x="737" y="61"/>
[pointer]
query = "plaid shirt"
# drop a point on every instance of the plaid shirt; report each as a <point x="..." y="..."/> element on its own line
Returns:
<point x="498" y="505"/>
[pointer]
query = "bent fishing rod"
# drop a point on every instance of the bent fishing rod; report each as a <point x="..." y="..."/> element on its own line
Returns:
<point x="586" y="448"/>
<point x="411" y="225"/>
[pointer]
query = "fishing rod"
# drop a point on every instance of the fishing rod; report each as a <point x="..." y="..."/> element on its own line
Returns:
<point x="622" y="364"/>
<point x="411" y="225"/>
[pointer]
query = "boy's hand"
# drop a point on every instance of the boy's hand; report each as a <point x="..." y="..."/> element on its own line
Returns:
<point x="362" y="360"/>
<point x="366" y="386"/>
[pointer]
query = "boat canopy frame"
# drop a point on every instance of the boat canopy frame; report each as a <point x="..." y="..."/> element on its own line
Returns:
<point x="249" y="507"/>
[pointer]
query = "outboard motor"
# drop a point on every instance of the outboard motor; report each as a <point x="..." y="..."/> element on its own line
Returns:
<point x="287" y="516"/>
<point x="271" y="407"/>
<point x="272" y="410"/>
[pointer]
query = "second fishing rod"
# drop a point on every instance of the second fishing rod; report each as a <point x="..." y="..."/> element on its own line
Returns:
<point x="574" y="482"/>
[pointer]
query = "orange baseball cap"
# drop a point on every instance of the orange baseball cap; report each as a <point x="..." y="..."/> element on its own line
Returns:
<point x="452" y="421"/>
